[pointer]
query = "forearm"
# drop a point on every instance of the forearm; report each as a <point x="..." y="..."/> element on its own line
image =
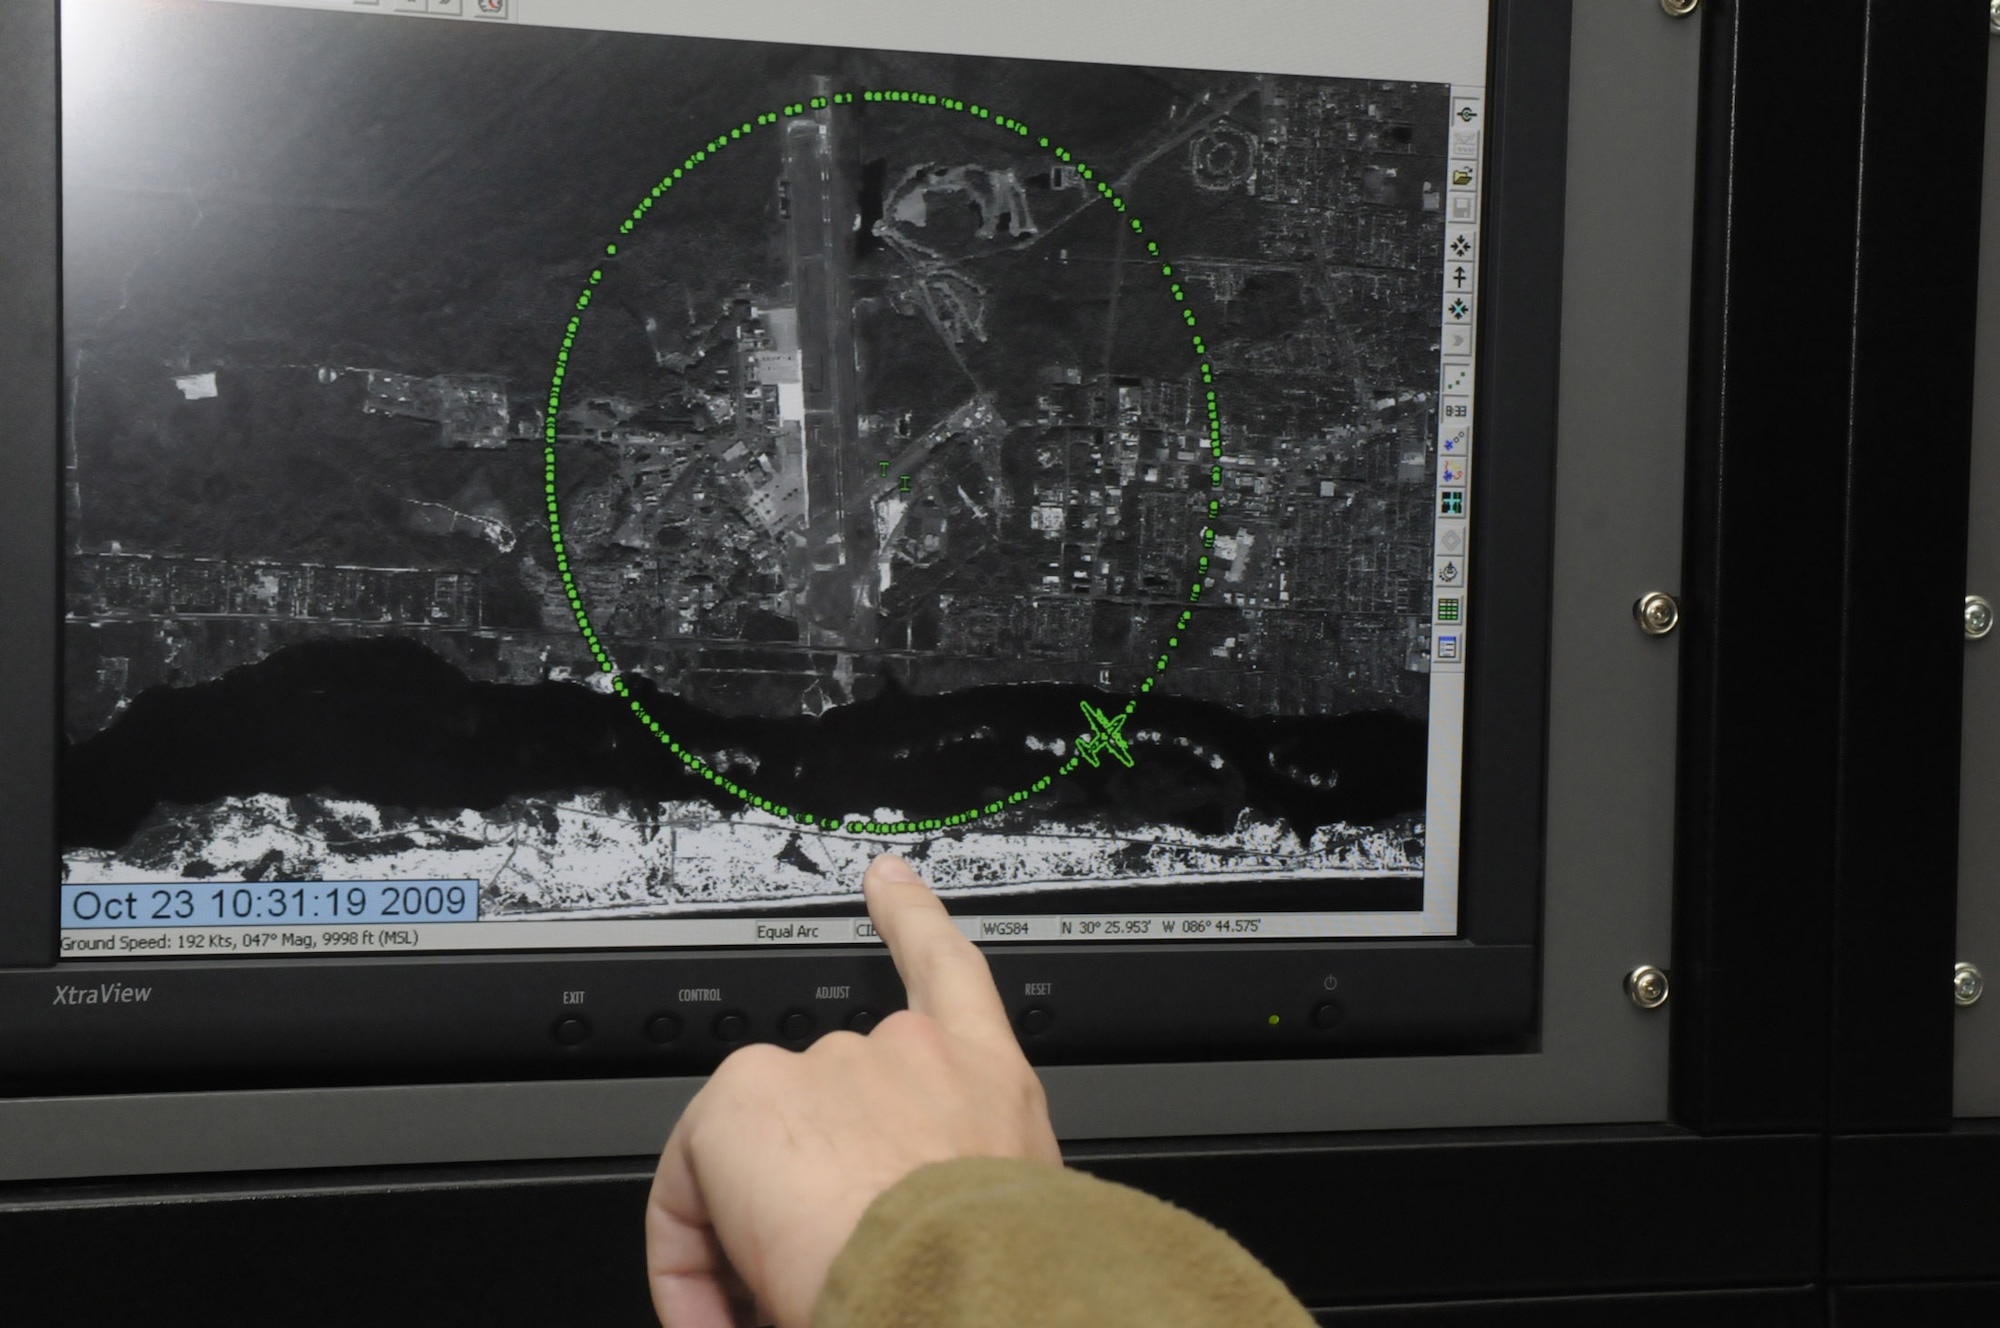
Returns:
<point x="986" y="1241"/>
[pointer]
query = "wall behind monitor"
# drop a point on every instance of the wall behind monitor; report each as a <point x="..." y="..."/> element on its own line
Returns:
<point x="1625" y="299"/>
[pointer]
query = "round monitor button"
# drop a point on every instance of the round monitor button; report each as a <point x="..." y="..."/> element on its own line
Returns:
<point x="663" y="1028"/>
<point x="862" y="1020"/>
<point x="796" y="1026"/>
<point x="571" y="1030"/>
<point x="1328" y="1014"/>
<point x="730" y="1026"/>
<point x="1036" y="1020"/>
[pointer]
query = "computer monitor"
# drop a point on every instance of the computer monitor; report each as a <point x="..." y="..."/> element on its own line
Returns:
<point x="549" y="491"/>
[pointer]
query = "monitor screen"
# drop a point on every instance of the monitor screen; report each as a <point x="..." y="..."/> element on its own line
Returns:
<point x="591" y="475"/>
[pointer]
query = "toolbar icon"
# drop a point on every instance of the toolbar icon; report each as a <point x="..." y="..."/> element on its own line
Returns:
<point x="1462" y="208"/>
<point x="1465" y="142"/>
<point x="1449" y="607"/>
<point x="1461" y="245"/>
<point x="1450" y="571"/>
<point x="1447" y="648"/>
<point x="1451" y="472"/>
<point x="1451" y="502"/>
<point x="1456" y="443"/>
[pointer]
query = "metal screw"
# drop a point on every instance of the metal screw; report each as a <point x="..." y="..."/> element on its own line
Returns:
<point x="1657" y="613"/>
<point x="1682" y="8"/>
<point x="1647" y="986"/>
<point x="1966" y="984"/>
<point x="1978" y="613"/>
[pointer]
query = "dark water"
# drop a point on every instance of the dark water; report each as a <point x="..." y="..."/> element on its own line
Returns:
<point x="387" y="722"/>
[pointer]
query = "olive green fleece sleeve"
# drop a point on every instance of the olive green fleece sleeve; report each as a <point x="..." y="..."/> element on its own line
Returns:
<point x="994" y="1243"/>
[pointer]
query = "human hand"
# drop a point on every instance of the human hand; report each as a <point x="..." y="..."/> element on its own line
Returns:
<point x="772" y="1165"/>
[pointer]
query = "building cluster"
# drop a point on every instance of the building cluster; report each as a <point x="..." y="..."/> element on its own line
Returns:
<point x="695" y="535"/>
<point x="470" y="410"/>
<point x="136" y="621"/>
<point x="137" y="585"/>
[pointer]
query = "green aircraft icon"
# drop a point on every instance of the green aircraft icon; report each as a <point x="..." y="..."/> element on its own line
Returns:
<point x="1106" y="735"/>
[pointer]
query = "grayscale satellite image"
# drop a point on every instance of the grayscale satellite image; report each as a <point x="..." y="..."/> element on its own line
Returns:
<point x="529" y="500"/>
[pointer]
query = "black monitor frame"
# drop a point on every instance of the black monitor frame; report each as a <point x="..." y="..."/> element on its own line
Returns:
<point x="466" y="1017"/>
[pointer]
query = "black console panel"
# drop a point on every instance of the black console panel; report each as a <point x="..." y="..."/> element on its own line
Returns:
<point x="376" y="1020"/>
<point x="136" y="1024"/>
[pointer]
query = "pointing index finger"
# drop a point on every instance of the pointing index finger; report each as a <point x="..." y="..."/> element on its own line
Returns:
<point x="945" y="974"/>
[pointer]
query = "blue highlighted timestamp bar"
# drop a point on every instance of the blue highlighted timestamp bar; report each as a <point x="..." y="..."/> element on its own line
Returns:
<point x="255" y="903"/>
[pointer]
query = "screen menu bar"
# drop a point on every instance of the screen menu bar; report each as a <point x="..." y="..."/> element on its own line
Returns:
<point x="407" y="935"/>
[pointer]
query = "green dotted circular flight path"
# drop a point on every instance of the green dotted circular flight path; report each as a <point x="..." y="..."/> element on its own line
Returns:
<point x="679" y="178"/>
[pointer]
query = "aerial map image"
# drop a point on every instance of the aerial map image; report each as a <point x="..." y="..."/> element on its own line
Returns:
<point x="648" y="475"/>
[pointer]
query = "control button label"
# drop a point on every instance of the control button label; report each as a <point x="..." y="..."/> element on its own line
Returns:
<point x="1038" y="988"/>
<point x="572" y="998"/>
<point x="838" y="993"/>
<point x="700" y="995"/>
